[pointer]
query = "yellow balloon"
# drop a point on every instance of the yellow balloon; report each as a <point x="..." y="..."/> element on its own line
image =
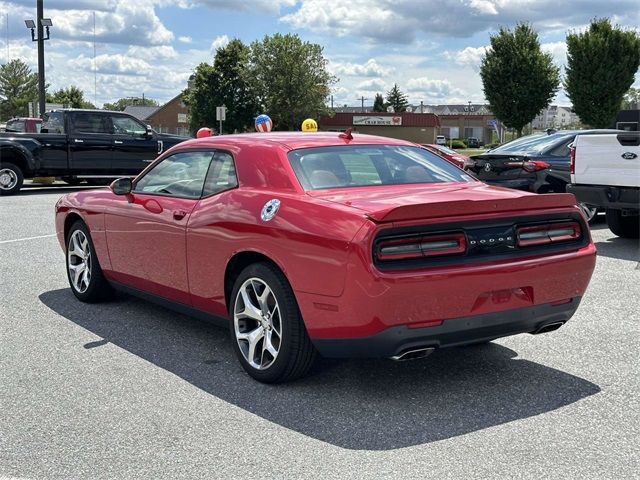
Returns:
<point x="309" y="125"/>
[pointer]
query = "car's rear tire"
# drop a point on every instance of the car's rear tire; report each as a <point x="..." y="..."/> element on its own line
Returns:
<point x="269" y="336"/>
<point x="11" y="178"/>
<point x="83" y="268"/>
<point x="623" y="226"/>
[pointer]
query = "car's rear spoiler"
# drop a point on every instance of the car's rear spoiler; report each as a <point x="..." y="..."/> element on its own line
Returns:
<point x="470" y="207"/>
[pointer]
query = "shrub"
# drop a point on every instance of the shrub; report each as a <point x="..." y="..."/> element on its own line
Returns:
<point x="457" y="143"/>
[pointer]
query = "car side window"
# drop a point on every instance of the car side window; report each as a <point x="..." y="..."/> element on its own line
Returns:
<point x="181" y="175"/>
<point x="221" y="176"/>
<point x="562" y="150"/>
<point x="128" y="126"/>
<point x="90" y="122"/>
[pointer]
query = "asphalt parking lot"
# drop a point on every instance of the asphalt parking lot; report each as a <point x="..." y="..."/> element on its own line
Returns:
<point x="127" y="389"/>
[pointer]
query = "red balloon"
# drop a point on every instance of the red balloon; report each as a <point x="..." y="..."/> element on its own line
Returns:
<point x="204" y="132"/>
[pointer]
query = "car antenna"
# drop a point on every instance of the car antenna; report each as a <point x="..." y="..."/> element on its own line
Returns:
<point x="347" y="134"/>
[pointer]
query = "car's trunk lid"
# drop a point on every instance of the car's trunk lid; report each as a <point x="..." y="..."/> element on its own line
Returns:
<point x="415" y="201"/>
<point x="498" y="166"/>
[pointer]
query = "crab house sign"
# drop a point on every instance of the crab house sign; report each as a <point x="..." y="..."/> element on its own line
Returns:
<point x="393" y="121"/>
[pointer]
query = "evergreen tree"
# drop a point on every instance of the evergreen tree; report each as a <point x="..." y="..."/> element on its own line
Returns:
<point x="397" y="99"/>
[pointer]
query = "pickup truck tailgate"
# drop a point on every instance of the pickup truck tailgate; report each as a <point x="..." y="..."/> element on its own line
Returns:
<point x="608" y="159"/>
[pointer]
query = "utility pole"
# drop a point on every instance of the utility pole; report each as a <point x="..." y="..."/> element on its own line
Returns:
<point x="362" y="99"/>
<point x="421" y="106"/>
<point x="41" y="85"/>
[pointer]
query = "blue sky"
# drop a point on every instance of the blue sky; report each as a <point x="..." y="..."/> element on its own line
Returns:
<point x="431" y="49"/>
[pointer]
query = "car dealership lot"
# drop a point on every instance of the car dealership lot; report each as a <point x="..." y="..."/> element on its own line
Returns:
<point x="127" y="389"/>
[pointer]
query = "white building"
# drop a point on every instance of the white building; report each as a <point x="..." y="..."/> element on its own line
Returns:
<point x="555" y="117"/>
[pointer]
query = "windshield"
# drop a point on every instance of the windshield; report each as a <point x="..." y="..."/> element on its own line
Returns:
<point x="368" y="165"/>
<point x="532" y="143"/>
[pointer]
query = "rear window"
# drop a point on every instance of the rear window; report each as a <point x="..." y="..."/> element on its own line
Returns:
<point x="369" y="165"/>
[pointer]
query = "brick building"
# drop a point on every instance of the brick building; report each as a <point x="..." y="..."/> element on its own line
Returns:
<point x="415" y="127"/>
<point x="172" y="117"/>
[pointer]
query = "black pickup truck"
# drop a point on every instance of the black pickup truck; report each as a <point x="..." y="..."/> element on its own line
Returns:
<point x="76" y="145"/>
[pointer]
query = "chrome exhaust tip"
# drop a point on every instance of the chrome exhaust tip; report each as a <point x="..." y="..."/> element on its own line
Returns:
<point x="413" y="354"/>
<point x="549" y="327"/>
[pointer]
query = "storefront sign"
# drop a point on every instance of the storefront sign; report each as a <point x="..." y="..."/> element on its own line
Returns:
<point x="395" y="121"/>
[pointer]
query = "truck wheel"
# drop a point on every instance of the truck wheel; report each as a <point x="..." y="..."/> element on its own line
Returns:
<point x="625" y="227"/>
<point x="267" y="330"/>
<point x="11" y="179"/>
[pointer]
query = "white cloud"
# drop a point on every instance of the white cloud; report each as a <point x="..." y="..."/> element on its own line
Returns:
<point x="373" y="85"/>
<point x="468" y="57"/>
<point x="113" y="64"/>
<point x="185" y="39"/>
<point x="153" y="53"/>
<point x="432" y="89"/>
<point x="371" y="68"/>
<point x="219" y="42"/>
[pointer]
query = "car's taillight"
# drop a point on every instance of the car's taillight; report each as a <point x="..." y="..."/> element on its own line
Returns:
<point x="534" y="165"/>
<point x="549" y="233"/>
<point x="572" y="156"/>
<point x="421" y="246"/>
<point x="528" y="165"/>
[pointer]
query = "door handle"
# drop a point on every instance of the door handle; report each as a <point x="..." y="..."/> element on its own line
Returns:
<point x="179" y="214"/>
<point x="119" y="142"/>
<point x="77" y="140"/>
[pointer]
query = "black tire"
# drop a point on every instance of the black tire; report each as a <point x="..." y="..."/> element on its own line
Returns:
<point x="71" y="180"/>
<point x="14" y="178"/>
<point x="625" y="227"/>
<point x="98" y="288"/>
<point x="296" y="352"/>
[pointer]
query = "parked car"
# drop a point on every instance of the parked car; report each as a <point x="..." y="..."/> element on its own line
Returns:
<point x="473" y="142"/>
<point x="459" y="160"/>
<point x="441" y="140"/>
<point x="23" y="124"/>
<point x="537" y="163"/>
<point x="338" y="244"/>
<point x="605" y="172"/>
<point x="80" y="144"/>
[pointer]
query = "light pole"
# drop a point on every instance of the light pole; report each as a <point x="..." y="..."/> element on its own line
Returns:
<point x="41" y="24"/>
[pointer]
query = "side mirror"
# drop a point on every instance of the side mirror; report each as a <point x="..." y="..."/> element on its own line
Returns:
<point x="121" y="186"/>
<point x="150" y="132"/>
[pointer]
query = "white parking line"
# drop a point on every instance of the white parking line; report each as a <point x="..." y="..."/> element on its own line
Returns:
<point x="27" y="238"/>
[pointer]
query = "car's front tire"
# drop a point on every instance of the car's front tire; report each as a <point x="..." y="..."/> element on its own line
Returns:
<point x="83" y="269"/>
<point x="11" y="178"/>
<point x="623" y="226"/>
<point x="269" y="336"/>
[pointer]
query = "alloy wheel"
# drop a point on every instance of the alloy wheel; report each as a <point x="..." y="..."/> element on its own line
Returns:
<point x="8" y="179"/>
<point x="257" y="323"/>
<point x="589" y="211"/>
<point x="79" y="261"/>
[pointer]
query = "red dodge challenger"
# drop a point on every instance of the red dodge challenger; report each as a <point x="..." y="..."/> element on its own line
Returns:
<point x="346" y="246"/>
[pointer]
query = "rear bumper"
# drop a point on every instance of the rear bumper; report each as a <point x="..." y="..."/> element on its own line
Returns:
<point x="607" y="196"/>
<point x="458" y="331"/>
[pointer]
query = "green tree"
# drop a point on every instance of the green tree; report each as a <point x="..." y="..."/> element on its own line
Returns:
<point x="122" y="103"/>
<point x="601" y="64"/>
<point x="397" y="99"/>
<point x="378" y="103"/>
<point x="631" y="100"/>
<point x="518" y="79"/>
<point x="291" y="79"/>
<point x="71" y="97"/>
<point x="18" y="87"/>
<point x="226" y="83"/>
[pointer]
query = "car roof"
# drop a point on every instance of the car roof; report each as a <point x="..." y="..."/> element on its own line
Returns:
<point x="293" y="140"/>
